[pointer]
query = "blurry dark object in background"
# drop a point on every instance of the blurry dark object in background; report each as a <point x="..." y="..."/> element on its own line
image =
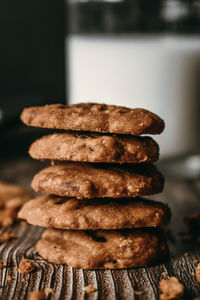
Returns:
<point x="119" y="16"/>
<point x="31" y="54"/>
<point x="113" y="16"/>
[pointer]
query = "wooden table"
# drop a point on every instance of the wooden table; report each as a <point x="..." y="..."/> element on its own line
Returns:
<point x="68" y="283"/>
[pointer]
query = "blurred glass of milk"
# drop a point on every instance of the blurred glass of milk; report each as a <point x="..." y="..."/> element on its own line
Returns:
<point x="136" y="54"/>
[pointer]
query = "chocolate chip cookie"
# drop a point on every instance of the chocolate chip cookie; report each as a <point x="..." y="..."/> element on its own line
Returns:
<point x="93" y="214"/>
<point x="95" y="148"/>
<point x="93" y="117"/>
<point x="103" y="249"/>
<point x="84" y="180"/>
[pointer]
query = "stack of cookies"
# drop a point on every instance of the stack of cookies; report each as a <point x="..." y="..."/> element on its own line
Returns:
<point x="92" y="206"/>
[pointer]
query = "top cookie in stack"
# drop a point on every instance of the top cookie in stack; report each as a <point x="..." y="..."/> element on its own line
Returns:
<point x="94" y="117"/>
<point x="104" y="159"/>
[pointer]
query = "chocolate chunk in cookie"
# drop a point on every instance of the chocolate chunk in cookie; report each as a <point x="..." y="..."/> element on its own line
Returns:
<point x="95" y="148"/>
<point x="103" y="249"/>
<point x="93" y="117"/>
<point x="93" y="214"/>
<point x="82" y="180"/>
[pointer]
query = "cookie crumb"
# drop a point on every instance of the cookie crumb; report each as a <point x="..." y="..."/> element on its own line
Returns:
<point x="195" y="261"/>
<point x="164" y="274"/>
<point x="197" y="271"/>
<point x="23" y="223"/>
<point x="89" y="289"/>
<point x="9" y="278"/>
<point x="138" y="293"/>
<point x="3" y="264"/>
<point x="53" y="162"/>
<point x="49" y="291"/>
<point x="5" y="237"/>
<point x="171" y="289"/>
<point x="40" y="295"/>
<point x="26" y="266"/>
<point x="37" y="295"/>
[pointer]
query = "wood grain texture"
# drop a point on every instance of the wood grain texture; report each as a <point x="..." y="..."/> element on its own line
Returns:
<point x="68" y="283"/>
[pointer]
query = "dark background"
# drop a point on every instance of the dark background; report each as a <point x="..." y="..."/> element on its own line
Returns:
<point x="31" y="54"/>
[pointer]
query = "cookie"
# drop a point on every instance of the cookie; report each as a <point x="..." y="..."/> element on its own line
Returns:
<point x="95" y="148"/>
<point x="103" y="249"/>
<point x="84" y="180"/>
<point x="93" y="117"/>
<point x="12" y="197"/>
<point x="93" y="214"/>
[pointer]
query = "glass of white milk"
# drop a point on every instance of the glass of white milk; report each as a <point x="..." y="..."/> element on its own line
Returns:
<point x="158" y="71"/>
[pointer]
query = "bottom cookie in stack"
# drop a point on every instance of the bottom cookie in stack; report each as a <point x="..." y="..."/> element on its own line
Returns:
<point x="103" y="249"/>
<point x="90" y="234"/>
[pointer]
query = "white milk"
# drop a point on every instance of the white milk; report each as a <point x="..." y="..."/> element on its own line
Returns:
<point x="158" y="73"/>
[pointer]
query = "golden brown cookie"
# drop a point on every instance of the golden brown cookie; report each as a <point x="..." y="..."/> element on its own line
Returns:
<point x="12" y="197"/>
<point x="103" y="249"/>
<point x="95" y="148"/>
<point x="93" y="214"/>
<point x="93" y="117"/>
<point x="84" y="180"/>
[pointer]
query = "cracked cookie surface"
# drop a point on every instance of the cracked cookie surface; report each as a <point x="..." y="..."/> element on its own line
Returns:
<point x="95" y="148"/>
<point x="84" y="180"/>
<point x="93" y="214"/>
<point x="102" y="249"/>
<point x="94" y="117"/>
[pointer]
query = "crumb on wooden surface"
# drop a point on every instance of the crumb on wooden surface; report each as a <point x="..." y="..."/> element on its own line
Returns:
<point x="138" y="293"/>
<point x="40" y="295"/>
<point x="89" y="289"/>
<point x="53" y="162"/>
<point x="49" y="291"/>
<point x="9" y="278"/>
<point x="5" y="237"/>
<point x="37" y="295"/>
<point x="23" y="223"/>
<point x="197" y="271"/>
<point x="3" y="264"/>
<point x="26" y="266"/>
<point x="171" y="289"/>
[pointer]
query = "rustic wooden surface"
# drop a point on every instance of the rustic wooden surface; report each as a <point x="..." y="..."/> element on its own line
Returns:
<point x="68" y="283"/>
